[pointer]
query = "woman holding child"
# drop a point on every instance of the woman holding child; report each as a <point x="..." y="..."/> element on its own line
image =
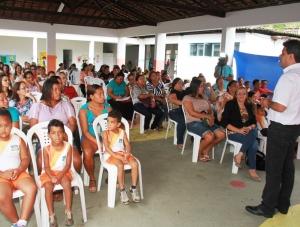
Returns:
<point x="239" y="119"/>
<point x="94" y="107"/>
<point x="200" y="119"/>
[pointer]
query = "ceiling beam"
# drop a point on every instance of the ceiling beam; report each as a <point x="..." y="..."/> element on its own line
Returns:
<point x="101" y="7"/>
<point x="179" y="6"/>
<point x="51" y="13"/>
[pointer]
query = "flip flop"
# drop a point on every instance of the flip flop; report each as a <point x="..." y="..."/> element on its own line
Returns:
<point x="206" y="157"/>
<point x="203" y="159"/>
<point x="92" y="189"/>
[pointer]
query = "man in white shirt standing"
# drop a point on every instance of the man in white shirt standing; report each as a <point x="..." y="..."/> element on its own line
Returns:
<point x="284" y="129"/>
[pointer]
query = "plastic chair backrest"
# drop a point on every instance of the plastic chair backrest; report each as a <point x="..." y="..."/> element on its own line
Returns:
<point x="78" y="124"/>
<point x="183" y="113"/>
<point x="20" y="123"/>
<point x="21" y="134"/>
<point x="102" y="121"/>
<point x="98" y="81"/>
<point x="37" y="95"/>
<point x="88" y="79"/>
<point x="77" y="102"/>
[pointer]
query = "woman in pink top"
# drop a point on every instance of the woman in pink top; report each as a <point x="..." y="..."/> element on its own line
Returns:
<point x="85" y="71"/>
<point x="52" y="107"/>
<point x="200" y="119"/>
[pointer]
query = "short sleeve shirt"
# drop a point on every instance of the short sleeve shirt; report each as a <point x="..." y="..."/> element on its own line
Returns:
<point x="14" y="114"/>
<point x="22" y="108"/>
<point x="199" y="105"/>
<point x="226" y="71"/>
<point x="62" y="111"/>
<point x="136" y="91"/>
<point x="158" y="91"/>
<point x="287" y="93"/>
<point x="117" y="89"/>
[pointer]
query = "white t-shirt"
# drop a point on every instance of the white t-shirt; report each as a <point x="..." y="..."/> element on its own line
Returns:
<point x="287" y="93"/>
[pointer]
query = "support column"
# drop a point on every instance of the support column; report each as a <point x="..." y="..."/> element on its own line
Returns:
<point x="173" y="59"/>
<point x="181" y="68"/>
<point x="121" y="51"/>
<point x="160" y="51"/>
<point x="51" y="51"/>
<point x="141" y="62"/>
<point x="227" y="43"/>
<point x="92" y="52"/>
<point x="147" y="56"/>
<point x="34" y="50"/>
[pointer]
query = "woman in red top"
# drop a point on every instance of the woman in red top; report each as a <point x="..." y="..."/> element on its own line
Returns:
<point x="67" y="90"/>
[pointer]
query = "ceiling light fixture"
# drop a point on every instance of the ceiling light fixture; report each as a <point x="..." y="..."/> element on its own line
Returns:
<point x="61" y="7"/>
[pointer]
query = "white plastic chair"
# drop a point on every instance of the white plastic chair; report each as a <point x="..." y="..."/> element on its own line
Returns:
<point x="41" y="130"/>
<point x="77" y="102"/>
<point x="196" y="143"/>
<point x="234" y="148"/>
<point x="18" y="193"/>
<point x="298" y="149"/>
<point x="20" y="123"/>
<point x="262" y="143"/>
<point x="98" y="81"/>
<point x="142" y="118"/>
<point x="112" y="169"/>
<point x="88" y="81"/>
<point x="37" y="95"/>
<point x="169" y="127"/>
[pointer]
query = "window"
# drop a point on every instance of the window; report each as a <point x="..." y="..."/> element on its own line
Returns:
<point x="208" y="49"/>
<point x="193" y="50"/>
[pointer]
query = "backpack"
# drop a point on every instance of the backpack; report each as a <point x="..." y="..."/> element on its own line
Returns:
<point x="260" y="160"/>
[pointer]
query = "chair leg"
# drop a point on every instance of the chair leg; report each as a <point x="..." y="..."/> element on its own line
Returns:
<point x="196" y="146"/>
<point x="82" y="166"/>
<point x="132" y="120"/>
<point x="142" y="121"/>
<point x="82" y="200"/>
<point x="141" y="181"/>
<point x="100" y="177"/>
<point x="168" y="129"/>
<point x="37" y="211"/>
<point x="184" y="142"/>
<point x="175" y="134"/>
<point x="86" y="178"/>
<point x="44" y="210"/>
<point x="222" y="156"/>
<point x="298" y="149"/>
<point x="237" y="148"/>
<point x="213" y="153"/>
<point x="112" y="183"/>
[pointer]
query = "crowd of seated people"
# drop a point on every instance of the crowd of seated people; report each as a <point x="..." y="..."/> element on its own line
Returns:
<point x="208" y="112"/>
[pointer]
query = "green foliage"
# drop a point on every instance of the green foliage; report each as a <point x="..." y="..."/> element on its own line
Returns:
<point x="281" y="27"/>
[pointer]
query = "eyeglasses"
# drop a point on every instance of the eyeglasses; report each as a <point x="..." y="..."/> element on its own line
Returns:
<point x="5" y="80"/>
<point x="241" y="93"/>
<point x="22" y="88"/>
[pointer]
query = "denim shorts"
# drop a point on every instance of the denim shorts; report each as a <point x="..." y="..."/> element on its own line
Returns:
<point x="83" y="138"/>
<point x="200" y="129"/>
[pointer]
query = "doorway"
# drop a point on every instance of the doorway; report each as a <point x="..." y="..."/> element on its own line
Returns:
<point x="67" y="58"/>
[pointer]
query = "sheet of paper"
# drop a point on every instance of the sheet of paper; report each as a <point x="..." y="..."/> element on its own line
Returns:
<point x="123" y="99"/>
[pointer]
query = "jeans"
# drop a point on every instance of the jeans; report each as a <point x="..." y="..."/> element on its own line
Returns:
<point x="177" y="115"/>
<point x="249" y="143"/>
<point x="125" y="108"/>
<point x="164" y="108"/>
<point x="280" y="169"/>
<point x="147" y="112"/>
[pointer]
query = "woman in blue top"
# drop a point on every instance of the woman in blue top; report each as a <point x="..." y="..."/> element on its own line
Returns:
<point x="117" y="89"/>
<point x="94" y="107"/>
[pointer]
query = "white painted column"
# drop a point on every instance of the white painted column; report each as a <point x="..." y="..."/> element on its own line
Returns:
<point x="148" y="56"/>
<point x="51" y="50"/>
<point x="227" y="43"/>
<point x="172" y="59"/>
<point x="160" y="51"/>
<point x="121" y="51"/>
<point x="92" y="52"/>
<point x="34" y="51"/>
<point x="141" y="62"/>
<point x="181" y="68"/>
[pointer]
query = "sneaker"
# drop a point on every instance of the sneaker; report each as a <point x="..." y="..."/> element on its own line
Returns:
<point x="69" y="218"/>
<point x="135" y="195"/>
<point x="124" y="197"/>
<point x="53" y="221"/>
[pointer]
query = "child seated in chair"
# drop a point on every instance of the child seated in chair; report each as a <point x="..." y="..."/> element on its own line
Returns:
<point x="118" y="147"/>
<point x="14" y="160"/>
<point x="56" y="170"/>
<point x="261" y="120"/>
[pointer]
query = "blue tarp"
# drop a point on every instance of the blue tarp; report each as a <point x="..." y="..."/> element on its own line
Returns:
<point x="251" y="66"/>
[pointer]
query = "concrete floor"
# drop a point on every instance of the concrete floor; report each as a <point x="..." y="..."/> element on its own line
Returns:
<point x="177" y="193"/>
